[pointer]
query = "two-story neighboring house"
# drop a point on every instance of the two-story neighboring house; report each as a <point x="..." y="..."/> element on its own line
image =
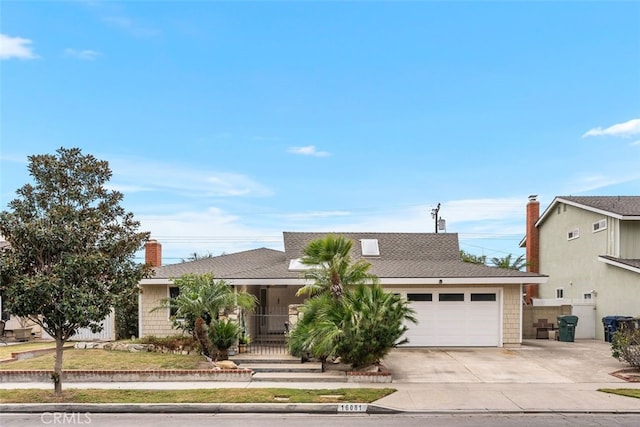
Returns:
<point x="589" y="246"/>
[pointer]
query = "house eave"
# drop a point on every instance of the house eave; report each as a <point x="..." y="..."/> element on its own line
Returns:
<point x="385" y="281"/>
<point x="619" y="264"/>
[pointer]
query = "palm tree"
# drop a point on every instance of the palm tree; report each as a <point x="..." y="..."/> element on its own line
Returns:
<point x="203" y="296"/>
<point x="332" y="268"/>
<point x="506" y="262"/>
<point x="360" y="328"/>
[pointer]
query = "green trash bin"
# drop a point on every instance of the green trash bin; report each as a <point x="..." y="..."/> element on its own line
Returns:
<point x="567" y="328"/>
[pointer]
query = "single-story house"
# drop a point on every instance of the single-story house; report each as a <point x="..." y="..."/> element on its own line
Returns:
<point x="456" y="303"/>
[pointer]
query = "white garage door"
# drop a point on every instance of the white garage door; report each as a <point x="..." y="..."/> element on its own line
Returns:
<point x="454" y="318"/>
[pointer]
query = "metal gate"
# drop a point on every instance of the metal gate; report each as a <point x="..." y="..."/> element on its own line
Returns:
<point x="268" y="327"/>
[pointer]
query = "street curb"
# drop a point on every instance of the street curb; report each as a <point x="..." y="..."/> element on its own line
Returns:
<point x="266" y="408"/>
<point x="186" y="408"/>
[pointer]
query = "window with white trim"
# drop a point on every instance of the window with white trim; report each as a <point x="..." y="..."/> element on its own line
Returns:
<point x="559" y="293"/>
<point x="174" y="291"/>
<point x="573" y="234"/>
<point x="587" y="296"/>
<point x="599" y="225"/>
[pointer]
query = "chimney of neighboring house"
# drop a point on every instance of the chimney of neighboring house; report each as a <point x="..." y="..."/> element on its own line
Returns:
<point x="532" y="245"/>
<point x="153" y="253"/>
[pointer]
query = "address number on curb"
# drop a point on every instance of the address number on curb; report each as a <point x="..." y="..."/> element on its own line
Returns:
<point x="352" y="407"/>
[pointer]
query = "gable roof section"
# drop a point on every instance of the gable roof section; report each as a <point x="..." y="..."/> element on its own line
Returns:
<point x="405" y="258"/>
<point x="620" y="207"/>
<point x="411" y="255"/>
<point x="255" y="263"/>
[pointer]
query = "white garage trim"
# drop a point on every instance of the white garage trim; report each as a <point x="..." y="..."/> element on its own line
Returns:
<point x="456" y="317"/>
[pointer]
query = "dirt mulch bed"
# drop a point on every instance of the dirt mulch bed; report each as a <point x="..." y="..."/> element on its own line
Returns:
<point x="631" y="375"/>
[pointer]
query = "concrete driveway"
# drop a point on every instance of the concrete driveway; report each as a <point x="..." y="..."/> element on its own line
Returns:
<point x="536" y="361"/>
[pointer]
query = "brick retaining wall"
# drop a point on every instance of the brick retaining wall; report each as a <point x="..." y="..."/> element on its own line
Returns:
<point x="7" y="376"/>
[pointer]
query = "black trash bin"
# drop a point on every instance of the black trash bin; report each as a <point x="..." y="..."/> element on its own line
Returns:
<point x="567" y="328"/>
<point x="611" y="324"/>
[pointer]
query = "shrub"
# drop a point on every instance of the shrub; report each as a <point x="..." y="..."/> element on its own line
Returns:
<point x="360" y="328"/>
<point x="625" y="346"/>
<point x="172" y="343"/>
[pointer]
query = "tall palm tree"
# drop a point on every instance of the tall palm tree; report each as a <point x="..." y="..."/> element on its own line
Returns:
<point x="507" y="262"/>
<point x="332" y="268"/>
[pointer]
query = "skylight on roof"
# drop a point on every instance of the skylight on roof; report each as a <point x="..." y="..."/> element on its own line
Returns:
<point x="370" y="247"/>
<point x="297" y="265"/>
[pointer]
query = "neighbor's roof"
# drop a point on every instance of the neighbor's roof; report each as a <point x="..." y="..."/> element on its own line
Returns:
<point x="402" y="256"/>
<point x="621" y="207"/>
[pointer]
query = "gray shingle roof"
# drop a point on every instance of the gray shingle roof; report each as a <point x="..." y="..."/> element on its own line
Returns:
<point x="255" y="263"/>
<point x="630" y="262"/>
<point x="402" y="255"/>
<point x="393" y="246"/>
<point x="620" y="205"/>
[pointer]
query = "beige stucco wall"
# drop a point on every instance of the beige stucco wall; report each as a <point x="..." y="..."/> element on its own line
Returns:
<point x="573" y="264"/>
<point x="154" y="322"/>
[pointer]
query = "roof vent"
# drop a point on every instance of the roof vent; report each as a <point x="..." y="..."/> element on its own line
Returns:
<point x="370" y="247"/>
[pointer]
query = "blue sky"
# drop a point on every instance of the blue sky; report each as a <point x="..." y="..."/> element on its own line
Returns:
<point x="226" y="123"/>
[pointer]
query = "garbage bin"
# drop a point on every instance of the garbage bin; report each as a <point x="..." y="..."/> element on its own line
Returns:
<point x="611" y="325"/>
<point x="567" y="328"/>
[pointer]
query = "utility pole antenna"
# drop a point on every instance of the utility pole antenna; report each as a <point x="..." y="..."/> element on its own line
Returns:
<point x="434" y="215"/>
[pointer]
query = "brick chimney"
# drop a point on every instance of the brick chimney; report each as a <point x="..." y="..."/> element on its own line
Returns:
<point x="532" y="245"/>
<point x="153" y="253"/>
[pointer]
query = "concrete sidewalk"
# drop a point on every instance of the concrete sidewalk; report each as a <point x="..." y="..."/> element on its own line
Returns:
<point x="541" y="376"/>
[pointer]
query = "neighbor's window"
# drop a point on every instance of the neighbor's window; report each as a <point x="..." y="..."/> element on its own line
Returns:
<point x="573" y="234"/>
<point x="587" y="297"/>
<point x="560" y="293"/>
<point x="174" y="291"/>
<point x="600" y="225"/>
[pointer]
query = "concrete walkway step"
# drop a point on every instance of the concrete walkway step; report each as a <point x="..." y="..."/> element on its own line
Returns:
<point x="283" y="367"/>
<point x="264" y="359"/>
<point x="284" y="377"/>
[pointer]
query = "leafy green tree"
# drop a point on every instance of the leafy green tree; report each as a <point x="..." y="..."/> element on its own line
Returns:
<point x="72" y="247"/>
<point x="508" y="262"/>
<point x="200" y="296"/>
<point x="332" y="268"/>
<point x="474" y="259"/>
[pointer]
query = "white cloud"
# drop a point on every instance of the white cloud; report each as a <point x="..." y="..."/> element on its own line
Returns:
<point x="309" y="150"/>
<point x="584" y="183"/>
<point x="15" y="47"/>
<point x="635" y="143"/>
<point x="129" y="25"/>
<point x="85" y="54"/>
<point x="144" y="175"/>
<point x="316" y="215"/>
<point x="626" y="129"/>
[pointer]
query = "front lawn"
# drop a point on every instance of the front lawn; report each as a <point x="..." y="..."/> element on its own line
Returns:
<point x="630" y="392"/>
<point x="111" y="360"/>
<point x="219" y="395"/>
<point x="6" y="350"/>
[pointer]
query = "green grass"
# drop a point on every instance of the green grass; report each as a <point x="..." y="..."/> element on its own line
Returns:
<point x="630" y="392"/>
<point x="223" y="395"/>
<point x="111" y="360"/>
<point x="6" y="350"/>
